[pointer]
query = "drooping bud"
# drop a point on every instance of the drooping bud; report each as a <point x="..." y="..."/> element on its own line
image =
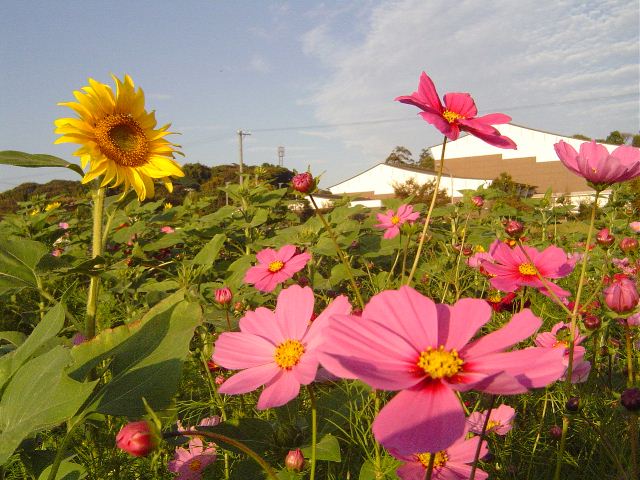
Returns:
<point x="478" y="201"/>
<point x="514" y="228"/>
<point x="294" y="460"/>
<point x="223" y="295"/>
<point x="621" y="295"/>
<point x="137" y="438"/>
<point x="303" y="182"/>
<point x="604" y="238"/>
<point x="591" y="322"/>
<point x="555" y="432"/>
<point x="630" y="399"/>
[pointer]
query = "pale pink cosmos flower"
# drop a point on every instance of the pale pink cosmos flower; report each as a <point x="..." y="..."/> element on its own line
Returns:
<point x="63" y="225"/>
<point x="276" y="349"/>
<point x="167" y="229"/>
<point x="511" y="268"/>
<point x="190" y="463"/>
<point x="405" y="342"/>
<point x="458" y="114"/>
<point x="635" y="226"/>
<point x="595" y="164"/>
<point x="500" y="420"/>
<point x="391" y="221"/>
<point x="275" y="266"/>
<point x="452" y="463"/>
<point x="559" y="337"/>
<point x="212" y="421"/>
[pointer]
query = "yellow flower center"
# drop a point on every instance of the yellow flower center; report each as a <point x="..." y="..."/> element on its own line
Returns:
<point x="479" y="249"/>
<point x="494" y="297"/>
<point x="560" y="344"/>
<point x="527" y="269"/>
<point x="195" y="465"/>
<point x="52" y="206"/>
<point x="440" y="460"/>
<point x="395" y="219"/>
<point x="276" y="266"/>
<point x="122" y="140"/>
<point x="439" y="363"/>
<point x="491" y="424"/>
<point x="450" y="116"/>
<point x="288" y="354"/>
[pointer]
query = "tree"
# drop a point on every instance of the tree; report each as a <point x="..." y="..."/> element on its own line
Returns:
<point x="420" y="193"/>
<point x="615" y="138"/>
<point x="579" y="136"/>
<point x="400" y="156"/>
<point x="426" y="160"/>
<point x="636" y="141"/>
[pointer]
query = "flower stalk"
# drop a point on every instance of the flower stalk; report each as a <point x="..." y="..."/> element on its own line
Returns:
<point x="474" y="466"/>
<point x="96" y="251"/>
<point x="314" y="431"/>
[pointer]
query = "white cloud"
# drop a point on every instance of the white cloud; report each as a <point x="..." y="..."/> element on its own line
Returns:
<point x="259" y="64"/>
<point x="526" y="54"/>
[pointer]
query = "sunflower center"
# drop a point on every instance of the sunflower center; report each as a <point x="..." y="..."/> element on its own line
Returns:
<point x="527" y="269"/>
<point x="276" y="266"/>
<point x="450" y="116"/>
<point x="395" y="219"/>
<point x="121" y="139"/>
<point x="440" y="460"/>
<point x="439" y="363"/>
<point x="195" y="465"/>
<point x="288" y="354"/>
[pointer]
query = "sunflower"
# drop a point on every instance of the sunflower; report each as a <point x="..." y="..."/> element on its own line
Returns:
<point x="118" y="137"/>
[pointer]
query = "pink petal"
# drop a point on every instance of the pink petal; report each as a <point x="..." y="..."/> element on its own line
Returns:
<point x="521" y="326"/>
<point x="411" y="471"/>
<point x="282" y="389"/>
<point x="467" y="316"/>
<point x="286" y="252"/>
<point x="256" y="274"/>
<point x="441" y="124"/>
<point x="267" y="256"/>
<point x="306" y="369"/>
<point x="464" y="451"/>
<point x="268" y="283"/>
<point x="294" y="310"/>
<point x="427" y="90"/>
<point x="262" y="322"/>
<point x="422" y="419"/>
<point x="315" y="335"/>
<point x="250" y="379"/>
<point x="296" y="263"/>
<point x="494" y="118"/>
<point x="461" y="103"/>
<point x="392" y="232"/>
<point x="235" y="350"/>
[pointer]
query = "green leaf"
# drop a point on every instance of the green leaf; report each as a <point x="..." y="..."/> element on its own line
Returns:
<point x="67" y="471"/>
<point x="166" y="241"/>
<point x="15" y="338"/>
<point x="46" y="330"/>
<point x="327" y="448"/>
<point x="256" y="433"/>
<point x="154" y="286"/>
<point x="146" y="359"/>
<point x="18" y="260"/>
<point x="210" y="251"/>
<point x="36" y="160"/>
<point x="51" y="395"/>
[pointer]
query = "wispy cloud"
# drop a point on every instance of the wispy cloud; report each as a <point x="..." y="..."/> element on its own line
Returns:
<point x="259" y="64"/>
<point x="528" y="54"/>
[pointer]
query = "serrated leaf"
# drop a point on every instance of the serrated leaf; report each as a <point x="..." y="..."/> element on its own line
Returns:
<point x="36" y="160"/>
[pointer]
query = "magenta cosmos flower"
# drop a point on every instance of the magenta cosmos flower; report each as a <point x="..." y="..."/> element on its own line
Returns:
<point x="275" y="266"/>
<point x="510" y="268"/>
<point x="392" y="221"/>
<point x="453" y="463"/>
<point x="559" y="337"/>
<point x="276" y="349"/>
<point x="595" y="164"/>
<point x="458" y="113"/>
<point x="500" y="420"/>
<point x="189" y="463"/>
<point x="405" y="342"/>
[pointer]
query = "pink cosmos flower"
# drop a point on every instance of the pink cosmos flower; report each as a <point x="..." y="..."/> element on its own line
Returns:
<point x="452" y="463"/>
<point x="167" y="229"/>
<point x="275" y="266"/>
<point x="621" y="295"/>
<point x="635" y="226"/>
<point x="595" y="164"/>
<point x="511" y="268"/>
<point x="189" y="463"/>
<point x="405" y="342"/>
<point x="63" y="225"/>
<point x="500" y="420"/>
<point x="559" y="337"/>
<point x="276" y="349"/>
<point x="392" y="221"/>
<point x="458" y="113"/>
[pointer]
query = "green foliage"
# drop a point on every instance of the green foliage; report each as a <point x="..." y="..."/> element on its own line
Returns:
<point x="420" y="193"/>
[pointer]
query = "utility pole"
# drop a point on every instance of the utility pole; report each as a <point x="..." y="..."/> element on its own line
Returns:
<point x="280" y="156"/>
<point x="240" y="135"/>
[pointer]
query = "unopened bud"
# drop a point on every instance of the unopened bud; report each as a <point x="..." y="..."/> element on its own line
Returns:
<point x="294" y="460"/>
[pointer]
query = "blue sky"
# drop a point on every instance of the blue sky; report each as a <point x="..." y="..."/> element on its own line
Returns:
<point x="317" y="77"/>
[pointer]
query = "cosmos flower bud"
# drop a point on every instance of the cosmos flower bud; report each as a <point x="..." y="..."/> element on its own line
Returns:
<point x="223" y="296"/>
<point x="555" y="432"/>
<point x="514" y="228"/>
<point x="628" y="244"/>
<point x="591" y="322"/>
<point x="604" y="238"/>
<point x="630" y="399"/>
<point x="294" y="460"/>
<point x="137" y="438"/>
<point x="621" y="295"/>
<point x="573" y="404"/>
<point x="478" y="201"/>
<point x="303" y="182"/>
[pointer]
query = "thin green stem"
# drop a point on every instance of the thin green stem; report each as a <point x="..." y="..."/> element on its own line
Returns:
<point x="476" y="457"/>
<point x="218" y="437"/>
<point x="432" y="460"/>
<point x="395" y="262"/>
<point x="341" y="254"/>
<point x="563" y="441"/>
<point x="376" y="445"/>
<point x="96" y="251"/>
<point x="535" y="443"/>
<point x="630" y="375"/>
<point x="633" y="433"/>
<point x="423" y="236"/>
<point x="314" y="431"/>
<point x="608" y="448"/>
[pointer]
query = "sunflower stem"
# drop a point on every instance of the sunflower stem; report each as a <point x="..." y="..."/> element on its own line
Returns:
<point x="96" y="251"/>
<point x="474" y="465"/>
<point x="423" y="236"/>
